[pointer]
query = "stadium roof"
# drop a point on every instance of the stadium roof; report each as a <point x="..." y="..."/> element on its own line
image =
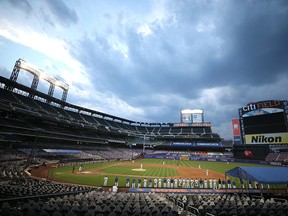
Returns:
<point x="266" y="175"/>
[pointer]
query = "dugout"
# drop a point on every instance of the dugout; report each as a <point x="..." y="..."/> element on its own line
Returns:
<point x="263" y="175"/>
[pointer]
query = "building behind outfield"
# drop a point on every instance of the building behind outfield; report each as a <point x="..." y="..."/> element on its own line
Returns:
<point x="262" y="127"/>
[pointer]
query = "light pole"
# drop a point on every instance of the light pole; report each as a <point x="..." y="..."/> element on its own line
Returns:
<point x="143" y="150"/>
<point x="131" y="151"/>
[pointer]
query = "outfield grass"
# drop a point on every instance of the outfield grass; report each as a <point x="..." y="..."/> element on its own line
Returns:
<point x="111" y="170"/>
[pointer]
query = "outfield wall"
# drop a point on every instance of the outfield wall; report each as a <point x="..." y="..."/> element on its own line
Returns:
<point x="176" y="156"/>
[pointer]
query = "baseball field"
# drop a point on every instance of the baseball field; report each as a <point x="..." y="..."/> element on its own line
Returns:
<point x="93" y="174"/>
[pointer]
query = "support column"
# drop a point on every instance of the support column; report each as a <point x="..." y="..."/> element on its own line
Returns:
<point x="51" y="91"/>
<point x="34" y="85"/>
<point x="14" y="74"/>
<point x="64" y="95"/>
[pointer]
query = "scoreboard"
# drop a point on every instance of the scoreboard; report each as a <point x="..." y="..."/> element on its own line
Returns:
<point x="192" y="116"/>
<point x="264" y="122"/>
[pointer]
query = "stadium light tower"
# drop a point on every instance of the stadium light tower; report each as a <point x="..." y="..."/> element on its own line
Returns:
<point x="38" y="74"/>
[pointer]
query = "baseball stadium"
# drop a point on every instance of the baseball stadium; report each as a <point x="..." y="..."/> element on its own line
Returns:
<point x="61" y="159"/>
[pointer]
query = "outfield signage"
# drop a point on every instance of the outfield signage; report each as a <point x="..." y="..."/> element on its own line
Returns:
<point x="271" y="138"/>
<point x="236" y="127"/>
<point x="263" y="112"/>
<point x="183" y="144"/>
<point x="236" y="131"/>
<point x="200" y="124"/>
<point x="263" y="107"/>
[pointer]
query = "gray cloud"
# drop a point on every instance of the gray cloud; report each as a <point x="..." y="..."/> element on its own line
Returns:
<point x="53" y="12"/>
<point x="255" y="40"/>
<point x="4" y="72"/>
<point x="19" y="4"/>
<point x="65" y="16"/>
<point x="236" y="49"/>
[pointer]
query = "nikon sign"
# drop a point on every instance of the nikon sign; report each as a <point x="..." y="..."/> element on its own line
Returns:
<point x="272" y="138"/>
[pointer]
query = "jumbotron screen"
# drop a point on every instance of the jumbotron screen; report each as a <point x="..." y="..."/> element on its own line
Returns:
<point x="268" y="123"/>
<point x="264" y="122"/>
<point x="192" y="116"/>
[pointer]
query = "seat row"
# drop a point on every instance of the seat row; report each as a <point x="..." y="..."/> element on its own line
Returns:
<point x="95" y="203"/>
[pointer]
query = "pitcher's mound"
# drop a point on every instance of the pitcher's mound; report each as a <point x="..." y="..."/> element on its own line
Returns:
<point x="85" y="172"/>
<point x="139" y="170"/>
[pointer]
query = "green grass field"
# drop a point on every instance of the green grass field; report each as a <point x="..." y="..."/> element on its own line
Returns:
<point x="113" y="169"/>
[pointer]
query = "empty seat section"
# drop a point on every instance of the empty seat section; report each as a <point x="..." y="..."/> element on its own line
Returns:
<point x="186" y="130"/>
<point x="111" y="124"/>
<point x="142" y="129"/>
<point x="89" y="119"/>
<point x="198" y="130"/>
<point x="102" y="122"/>
<point x="214" y="135"/>
<point x="207" y="130"/>
<point x="29" y="102"/>
<point x="150" y="129"/>
<point x="207" y="135"/>
<point x="131" y="127"/>
<point x="76" y="116"/>
<point x="176" y="130"/>
<point x="124" y="126"/>
<point x="63" y="113"/>
<point x="155" y="130"/>
<point x="8" y="96"/>
<point x="164" y="130"/>
<point x="47" y="107"/>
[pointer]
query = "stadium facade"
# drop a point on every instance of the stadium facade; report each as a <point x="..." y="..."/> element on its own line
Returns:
<point x="28" y="114"/>
<point x="39" y="132"/>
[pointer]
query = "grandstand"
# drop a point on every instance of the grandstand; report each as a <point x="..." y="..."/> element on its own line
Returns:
<point x="31" y="114"/>
<point x="37" y="130"/>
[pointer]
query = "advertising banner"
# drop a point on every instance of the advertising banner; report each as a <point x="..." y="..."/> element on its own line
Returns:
<point x="262" y="107"/>
<point x="236" y="127"/>
<point x="236" y="131"/>
<point x="271" y="138"/>
<point x="184" y="144"/>
<point x="187" y="118"/>
<point x="200" y="124"/>
<point x="197" y="118"/>
<point x="262" y="111"/>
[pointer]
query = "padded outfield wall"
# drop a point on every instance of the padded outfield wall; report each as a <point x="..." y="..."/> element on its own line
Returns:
<point x="177" y="156"/>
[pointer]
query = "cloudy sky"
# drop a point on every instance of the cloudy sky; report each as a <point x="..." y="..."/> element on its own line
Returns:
<point x="146" y="60"/>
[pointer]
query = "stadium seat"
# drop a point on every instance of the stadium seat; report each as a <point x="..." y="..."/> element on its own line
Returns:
<point x="56" y="213"/>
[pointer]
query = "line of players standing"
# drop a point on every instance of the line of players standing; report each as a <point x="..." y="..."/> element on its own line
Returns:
<point x="180" y="183"/>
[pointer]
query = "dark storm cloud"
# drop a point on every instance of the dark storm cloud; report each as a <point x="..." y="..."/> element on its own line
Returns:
<point x="105" y="66"/>
<point x="238" y="49"/>
<point x="256" y="39"/>
<point x="62" y="12"/>
<point x="164" y="62"/>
